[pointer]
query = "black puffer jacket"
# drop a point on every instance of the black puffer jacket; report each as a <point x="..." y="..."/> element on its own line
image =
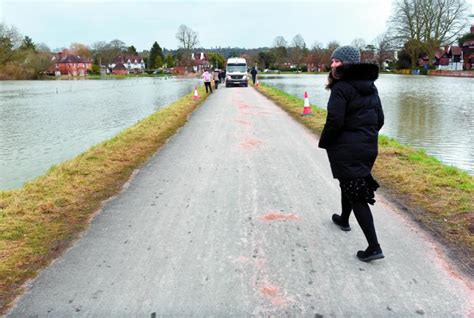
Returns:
<point x="354" y="118"/>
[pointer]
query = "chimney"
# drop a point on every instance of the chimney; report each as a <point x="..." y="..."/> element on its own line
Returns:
<point x="202" y="56"/>
<point x="472" y="28"/>
<point x="192" y="56"/>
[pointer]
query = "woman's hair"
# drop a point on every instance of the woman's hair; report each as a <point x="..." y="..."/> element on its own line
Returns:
<point x="331" y="80"/>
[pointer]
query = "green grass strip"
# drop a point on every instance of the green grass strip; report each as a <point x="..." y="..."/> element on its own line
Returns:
<point x="41" y="219"/>
<point x="440" y="197"/>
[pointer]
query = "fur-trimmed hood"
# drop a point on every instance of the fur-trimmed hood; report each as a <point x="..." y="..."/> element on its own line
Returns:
<point x="360" y="76"/>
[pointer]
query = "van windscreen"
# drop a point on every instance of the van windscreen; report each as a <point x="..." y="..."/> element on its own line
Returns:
<point x="237" y="67"/>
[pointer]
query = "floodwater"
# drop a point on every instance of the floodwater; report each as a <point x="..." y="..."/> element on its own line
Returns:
<point x="43" y="123"/>
<point x="426" y="112"/>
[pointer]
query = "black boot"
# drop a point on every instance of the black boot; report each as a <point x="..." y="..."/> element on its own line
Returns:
<point x="370" y="254"/>
<point x="338" y="221"/>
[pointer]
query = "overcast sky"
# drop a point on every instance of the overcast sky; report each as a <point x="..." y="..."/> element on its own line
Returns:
<point x="243" y="23"/>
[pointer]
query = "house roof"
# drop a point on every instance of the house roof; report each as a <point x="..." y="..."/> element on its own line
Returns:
<point x="125" y="58"/>
<point x="119" y="66"/>
<point x="468" y="43"/>
<point x="439" y="53"/>
<point x="197" y="56"/>
<point x="72" y="59"/>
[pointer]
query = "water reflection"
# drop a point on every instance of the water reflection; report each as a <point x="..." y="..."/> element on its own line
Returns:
<point x="46" y="122"/>
<point x="433" y="113"/>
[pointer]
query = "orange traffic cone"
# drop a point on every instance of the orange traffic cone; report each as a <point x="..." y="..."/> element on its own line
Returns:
<point x="307" y="111"/>
<point x="196" y="95"/>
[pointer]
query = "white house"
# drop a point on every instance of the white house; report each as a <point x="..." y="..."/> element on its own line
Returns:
<point x="132" y="64"/>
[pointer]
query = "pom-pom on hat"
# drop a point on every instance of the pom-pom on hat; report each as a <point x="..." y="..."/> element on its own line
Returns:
<point x="346" y="54"/>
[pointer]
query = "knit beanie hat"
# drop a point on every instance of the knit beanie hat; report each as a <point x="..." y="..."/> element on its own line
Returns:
<point x="346" y="54"/>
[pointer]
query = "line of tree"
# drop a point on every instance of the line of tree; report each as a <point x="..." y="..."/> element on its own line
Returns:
<point x="21" y="58"/>
<point x="416" y="27"/>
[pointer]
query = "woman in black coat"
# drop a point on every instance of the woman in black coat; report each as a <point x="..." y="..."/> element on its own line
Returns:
<point x="350" y="137"/>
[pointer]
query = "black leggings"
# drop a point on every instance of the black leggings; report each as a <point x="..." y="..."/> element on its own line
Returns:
<point x="208" y="84"/>
<point x="364" y="218"/>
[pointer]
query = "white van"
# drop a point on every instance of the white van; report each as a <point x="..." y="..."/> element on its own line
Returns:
<point x="236" y="72"/>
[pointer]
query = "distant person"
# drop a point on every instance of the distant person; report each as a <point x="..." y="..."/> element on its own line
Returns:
<point x="254" y="74"/>
<point x="221" y="76"/>
<point x="216" y="78"/>
<point x="350" y="137"/>
<point x="207" y="80"/>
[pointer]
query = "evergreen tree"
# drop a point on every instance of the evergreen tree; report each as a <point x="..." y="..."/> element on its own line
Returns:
<point x="169" y="61"/>
<point x="131" y="50"/>
<point x="155" y="52"/>
<point x="464" y="38"/>
<point x="158" y="61"/>
<point x="27" y="44"/>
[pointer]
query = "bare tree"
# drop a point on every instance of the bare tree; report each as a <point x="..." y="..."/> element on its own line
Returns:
<point x="316" y="46"/>
<point x="359" y="44"/>
<point x="298" y="49"/>
<point x="317" y="55"/>
<point x="280" y="41"/>
<point x="424" y="25"/>
<point x="298" y="42"/>
<point x="383" y="48"/>
<point x="445" y="20"/>
<point x="187" y="41"/>
<point x="104" y="53"/>
<point x="332" y="45"/>
<point x="280" y="49"/>
<point x="81" y="49"/>
<point x="118" y="45"/>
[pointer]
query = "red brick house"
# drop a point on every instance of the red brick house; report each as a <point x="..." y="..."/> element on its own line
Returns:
<point x="69" y="64"/>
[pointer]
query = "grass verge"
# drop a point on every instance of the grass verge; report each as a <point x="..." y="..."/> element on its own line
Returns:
<point x="438" y="196"/>
<point x="41" y="219"/>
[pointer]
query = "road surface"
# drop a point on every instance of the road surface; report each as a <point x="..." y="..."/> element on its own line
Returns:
<point x="232" y="218"/>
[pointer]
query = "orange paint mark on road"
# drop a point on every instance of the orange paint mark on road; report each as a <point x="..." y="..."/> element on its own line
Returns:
<point x="269" y="290"/>
<point x="273" y="293"/>
<point x="250" y="143"/>
<point x="277" y="216"/>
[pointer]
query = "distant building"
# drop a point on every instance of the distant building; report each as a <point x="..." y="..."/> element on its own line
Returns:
<point x="127" y="65"/>
<point x="448" y="58"/>
<point x="70" y="64"/>
<point x="452" y="58"/>
<point x="468" y="52"/>
<point x="199" y="62"/>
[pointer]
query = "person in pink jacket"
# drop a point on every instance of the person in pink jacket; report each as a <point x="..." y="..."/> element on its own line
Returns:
<point x="207" y="80"/>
